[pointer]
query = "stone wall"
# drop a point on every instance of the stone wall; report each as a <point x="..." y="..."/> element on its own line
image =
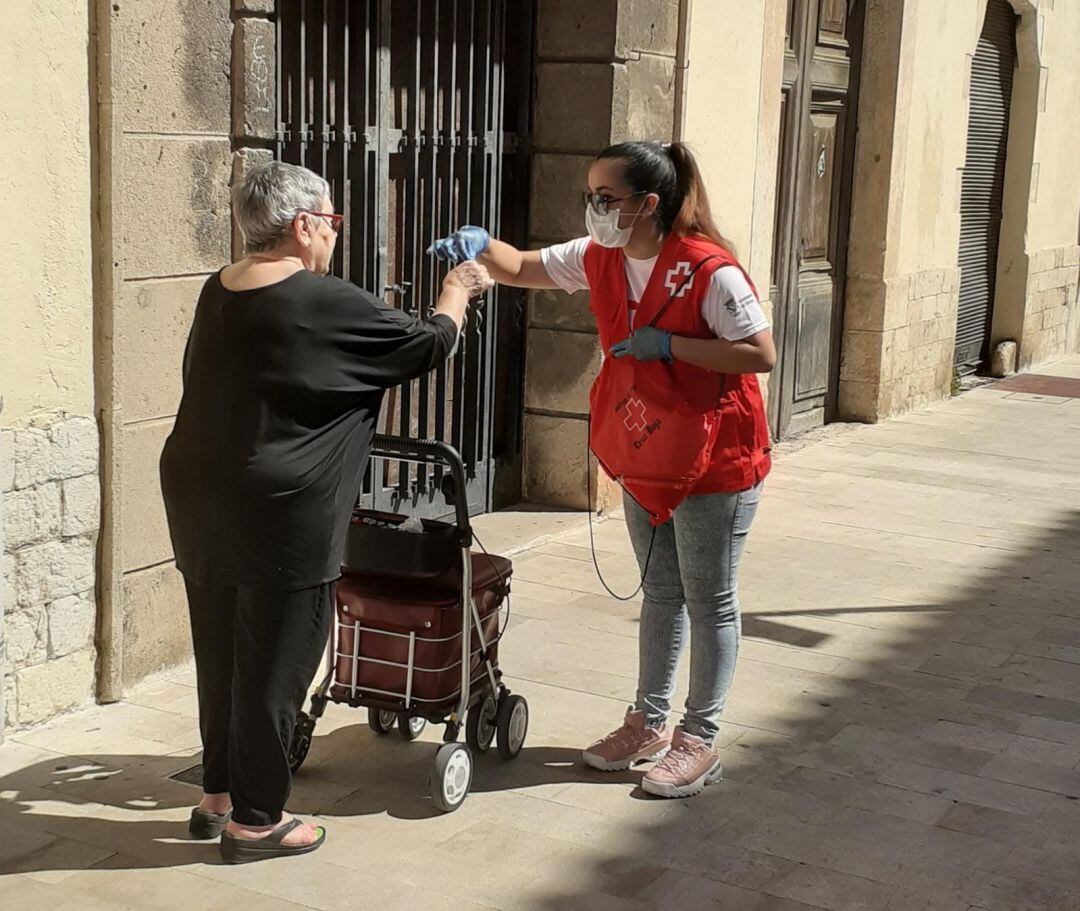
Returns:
<point x="898" y="343"/>
<point x="50" y="486"/>
<point x="1052" y="315"/>
<point x="48" y="438"/>
<point x="605" y="73"/>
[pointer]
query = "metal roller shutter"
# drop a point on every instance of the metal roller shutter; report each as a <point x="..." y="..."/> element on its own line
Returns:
<point x="984" y="181"/>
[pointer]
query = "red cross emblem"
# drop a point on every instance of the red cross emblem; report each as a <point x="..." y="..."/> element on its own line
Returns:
<point x="675" y="276"/>
<point x="635" y="415"/>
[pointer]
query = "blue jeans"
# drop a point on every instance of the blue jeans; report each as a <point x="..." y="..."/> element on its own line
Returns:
<point x="693" y="571"/>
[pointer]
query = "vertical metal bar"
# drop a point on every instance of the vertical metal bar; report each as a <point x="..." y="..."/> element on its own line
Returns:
<point x="302" y="122"/>
<point x="425" y="287"/>
<point x="409" y="673"/>
<point x="355" y="657"/>
<point x="446" y="212"/>
<point x="279" y="133"/>
<point x="464" y="411"/>
<point x="345" y="125"/>
<point x="462" y="217"/>
<point x="466" y="629"/>
<point x="495" y="191"/>
<point x="407" y="219"/>
<point x="324" y="139"/>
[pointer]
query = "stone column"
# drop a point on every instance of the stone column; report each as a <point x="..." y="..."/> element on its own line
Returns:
<point x="164" y="116"/>
<point x="605" y="74"/>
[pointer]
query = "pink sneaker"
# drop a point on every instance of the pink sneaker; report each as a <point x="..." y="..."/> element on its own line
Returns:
<point x="689" y="766"/>
<point x="634" y="742"/>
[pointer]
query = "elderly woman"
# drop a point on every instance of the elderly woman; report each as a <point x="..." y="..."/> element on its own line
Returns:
<point x="284" y="376"/>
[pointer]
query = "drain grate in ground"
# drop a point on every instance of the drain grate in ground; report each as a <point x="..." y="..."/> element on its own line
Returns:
<point x="1063" y="387"/>
<point x="191" y="776"/>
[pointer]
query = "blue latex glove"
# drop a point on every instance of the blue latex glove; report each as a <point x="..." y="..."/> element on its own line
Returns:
<point x="465" y="243"/>
<point x="647" y="344"/>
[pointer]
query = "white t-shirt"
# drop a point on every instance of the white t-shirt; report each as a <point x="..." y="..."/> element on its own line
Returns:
<point x="730" y="308"/>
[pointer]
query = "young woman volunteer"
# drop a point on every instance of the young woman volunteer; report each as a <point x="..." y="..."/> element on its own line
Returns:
<point x="677" y="418"/>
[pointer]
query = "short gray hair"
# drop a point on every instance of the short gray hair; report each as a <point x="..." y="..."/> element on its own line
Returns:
<point x="268" y="199"/>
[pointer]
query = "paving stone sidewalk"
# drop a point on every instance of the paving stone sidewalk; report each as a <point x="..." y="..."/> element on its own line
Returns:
<point x="904" y="731"/>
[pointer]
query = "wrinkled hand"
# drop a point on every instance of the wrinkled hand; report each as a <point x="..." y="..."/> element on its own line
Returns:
<point x="464" y="244"/>
<point x="647" y="344"/>
<point x="471" y="277"/>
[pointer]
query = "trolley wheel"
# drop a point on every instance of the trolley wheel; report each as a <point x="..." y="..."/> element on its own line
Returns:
<point x="512" y="723"/>
<point x="410" y="728"/>
<point x="480" y="725"/>
<point x="301" y="740"/>
<point x="452" y="776"/>
<point x="381" y="721"/>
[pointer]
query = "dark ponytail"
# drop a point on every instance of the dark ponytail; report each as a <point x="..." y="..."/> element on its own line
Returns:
<point x="671" y="172"/>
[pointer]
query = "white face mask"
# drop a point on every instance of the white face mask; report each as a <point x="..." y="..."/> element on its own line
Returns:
<point x="605" y="230"/>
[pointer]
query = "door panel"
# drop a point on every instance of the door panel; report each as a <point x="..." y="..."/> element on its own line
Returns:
<point x="817" y="221"/>
<point x="813" y="338"/>
<point x="811" y="237"/>
<point x="832" y="22"/>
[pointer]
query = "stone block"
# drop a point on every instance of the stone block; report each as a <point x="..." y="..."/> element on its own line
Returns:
<point x="26" y="635"/>
<point x="157" y="635"/>
<point x="175" y="73"/>
<point x="649" y="109"/>
<point x="182" y="183"/>
<point x="927" y="284"/>
<point x="1071" y="257"/>
<point x="574" y="107"/>
<point x="254" y="103"/>
<point x="46" y="689"/>
<point x="557" y="212"/>
<point x="243" y="161"/>
<point x="32" y="515"/>
<point x="576" y="30"/>
<point x="54" y="570"/>
<point x="254" y="6"/>
<point x="152" y="324"/>
<point x="647" y="26"/>
<point x="75" y="447"/>
<point x="11" y="708"/>
<point x="8" y="599"/>
<point x="861" y="356"/>
<point x="558" y="310"/>
<point x="145" y="540"/>
<point x="71" y="624"/>
<point x="33" y="457"/>
<point x="897" y="296"/>
<point x="860" y="401"/>
<point x="560" y="369"/>
<point x="81" y="503"/>
<point x="864" y="304"/>
<point x="555" y="468"/>
<point x="7" y="460"/>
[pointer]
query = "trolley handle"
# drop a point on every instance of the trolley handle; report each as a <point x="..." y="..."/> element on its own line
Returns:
<point x="429" y="452"/>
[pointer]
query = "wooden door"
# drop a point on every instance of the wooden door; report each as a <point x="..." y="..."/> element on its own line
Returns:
<point x="814" y="174"/>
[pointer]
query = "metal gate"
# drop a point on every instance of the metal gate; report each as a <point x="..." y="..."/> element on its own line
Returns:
<point x="417" y="113"/>
<point x="983" y="183"/>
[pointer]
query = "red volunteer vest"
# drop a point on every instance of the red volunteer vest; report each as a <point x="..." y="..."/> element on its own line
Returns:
<point x="735" y="450"/>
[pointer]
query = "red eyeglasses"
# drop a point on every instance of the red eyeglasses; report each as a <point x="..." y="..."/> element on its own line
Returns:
<point x="334" y="221"/>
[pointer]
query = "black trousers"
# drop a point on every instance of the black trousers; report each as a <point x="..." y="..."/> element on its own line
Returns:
<point x="256" y="652"/>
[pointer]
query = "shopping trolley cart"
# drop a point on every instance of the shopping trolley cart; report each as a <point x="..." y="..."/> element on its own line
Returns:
<point x="416" y="636"/>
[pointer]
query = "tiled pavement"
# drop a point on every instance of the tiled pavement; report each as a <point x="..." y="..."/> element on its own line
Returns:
<point x="904" y="732"/>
